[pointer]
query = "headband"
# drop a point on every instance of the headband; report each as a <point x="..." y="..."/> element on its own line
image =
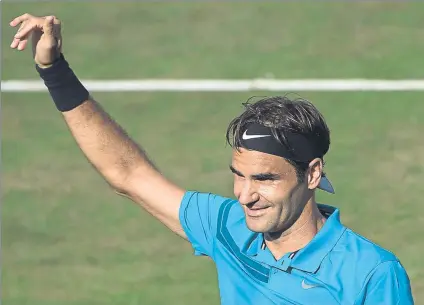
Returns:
<point x="260" y="138"/>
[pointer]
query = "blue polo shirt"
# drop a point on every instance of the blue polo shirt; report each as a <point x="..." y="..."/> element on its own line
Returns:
<point x="337" y="267"/>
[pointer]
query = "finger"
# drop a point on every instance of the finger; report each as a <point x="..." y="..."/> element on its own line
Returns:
<point x="16" y="40"/>
<point x="57" y="33"/>
<point x="22" y="44"/>
<point x="14" y="43"/>
<point x="56" y="21"/>
<point x="28" y="28"/>
<point x="20" y="19"/>
<point x="48" y="25"/>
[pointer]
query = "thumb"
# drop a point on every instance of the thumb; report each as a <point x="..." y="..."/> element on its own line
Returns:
<point x="48" y="26"/>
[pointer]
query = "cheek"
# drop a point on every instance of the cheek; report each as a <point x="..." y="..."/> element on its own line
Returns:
<point x="273" y="192"/>
<point x="279" y="195"/>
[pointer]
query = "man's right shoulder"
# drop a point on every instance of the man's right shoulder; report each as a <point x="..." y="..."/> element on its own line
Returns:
<point x="223" y="212"/>
<point x="220" y="207"/>
<point x="207" y="218"/>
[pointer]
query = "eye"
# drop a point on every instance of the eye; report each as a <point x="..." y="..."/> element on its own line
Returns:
<point x="263" y="179"/>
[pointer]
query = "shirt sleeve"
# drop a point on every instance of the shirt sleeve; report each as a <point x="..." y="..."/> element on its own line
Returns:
<point x="388" y="285"/>
<point x="198" y="217"/>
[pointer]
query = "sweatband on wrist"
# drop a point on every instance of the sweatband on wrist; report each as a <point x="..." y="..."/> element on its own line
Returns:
<point x="63" y="85"/>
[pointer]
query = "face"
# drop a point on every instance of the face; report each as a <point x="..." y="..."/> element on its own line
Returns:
<point x="268" y="190"/>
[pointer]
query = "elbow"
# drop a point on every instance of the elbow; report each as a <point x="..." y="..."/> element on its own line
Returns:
<point x="124" y="183"/>
<point x="133" y="183"/>
<point x="119" y="181"/>
<point x="119" y="188"/>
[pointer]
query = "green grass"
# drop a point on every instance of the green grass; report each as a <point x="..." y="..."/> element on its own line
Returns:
<point x="68" y="239"/>
<point x="231" y="40"/>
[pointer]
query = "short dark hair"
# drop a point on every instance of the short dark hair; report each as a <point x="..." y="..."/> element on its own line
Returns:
<point x="282" y="114"/>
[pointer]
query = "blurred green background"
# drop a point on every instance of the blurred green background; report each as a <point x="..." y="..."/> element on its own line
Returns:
<point x="68" y="239"/>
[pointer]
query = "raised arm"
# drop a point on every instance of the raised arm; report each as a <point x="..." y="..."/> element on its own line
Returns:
<point x="112" y="152"/>
<point x="123" y="163"/>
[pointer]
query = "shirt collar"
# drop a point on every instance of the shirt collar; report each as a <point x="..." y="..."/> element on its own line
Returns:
<point x="310" y="257"/>
<point x="254" y="245"/>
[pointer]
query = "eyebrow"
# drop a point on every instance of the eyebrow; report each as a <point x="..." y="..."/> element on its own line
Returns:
<point x="260" y="176"/>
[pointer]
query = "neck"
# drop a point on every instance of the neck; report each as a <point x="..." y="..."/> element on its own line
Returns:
<point x="299" y="234"/>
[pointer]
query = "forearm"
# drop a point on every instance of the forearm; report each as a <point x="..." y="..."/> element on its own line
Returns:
<point x="106" y="145"/>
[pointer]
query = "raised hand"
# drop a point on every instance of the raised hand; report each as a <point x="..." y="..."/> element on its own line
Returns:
<point x="46" y="37"/>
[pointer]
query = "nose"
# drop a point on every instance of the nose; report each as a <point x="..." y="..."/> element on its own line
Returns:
<point x="247" y="193"/>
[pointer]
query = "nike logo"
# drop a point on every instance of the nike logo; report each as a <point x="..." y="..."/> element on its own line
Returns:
<point x="248" y="137"/>
<point x="307" y="286"/>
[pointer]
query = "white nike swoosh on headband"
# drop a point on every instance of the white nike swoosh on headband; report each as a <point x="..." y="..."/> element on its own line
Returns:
<point x="247" y="137"/>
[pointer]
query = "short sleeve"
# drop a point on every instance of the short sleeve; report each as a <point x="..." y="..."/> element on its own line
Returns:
<point x="388" y="285"/>
<point x="198" y="217"/>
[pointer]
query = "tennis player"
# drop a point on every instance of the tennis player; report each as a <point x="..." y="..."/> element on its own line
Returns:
<point x="273" y="244"/>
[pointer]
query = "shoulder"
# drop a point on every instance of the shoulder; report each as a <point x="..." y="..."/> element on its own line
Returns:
<point x="381" y="275"/>
<point x="351" y="247"/>
<point x="225" y="214"/>
<point x="205" y="217"/>
<point x="361" y="264"/>
<point x="366" y="250"/>
<point x="362" y="258"/>
<point x="358" y="255"/>
<point x="220" y="210"/>
<point x="195" y="200"/>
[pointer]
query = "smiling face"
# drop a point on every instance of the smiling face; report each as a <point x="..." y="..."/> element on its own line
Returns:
<point x="272" y="191"/>
<point x="268" y="190"/>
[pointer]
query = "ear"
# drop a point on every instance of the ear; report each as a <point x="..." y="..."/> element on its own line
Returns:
<point x="315" y="173"/>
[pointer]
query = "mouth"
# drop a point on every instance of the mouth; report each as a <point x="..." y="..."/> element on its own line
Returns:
<point x="256" y="212"/>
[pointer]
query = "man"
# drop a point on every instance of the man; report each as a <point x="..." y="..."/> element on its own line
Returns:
<point x="274" y="244"/>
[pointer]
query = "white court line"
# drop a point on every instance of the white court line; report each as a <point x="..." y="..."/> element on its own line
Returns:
<point x="217" y="85"/>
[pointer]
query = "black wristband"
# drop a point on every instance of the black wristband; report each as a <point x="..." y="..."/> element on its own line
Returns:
<point x="64" y="87"/>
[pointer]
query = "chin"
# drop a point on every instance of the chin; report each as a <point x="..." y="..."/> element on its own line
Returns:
<point x="257" y="225"/>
